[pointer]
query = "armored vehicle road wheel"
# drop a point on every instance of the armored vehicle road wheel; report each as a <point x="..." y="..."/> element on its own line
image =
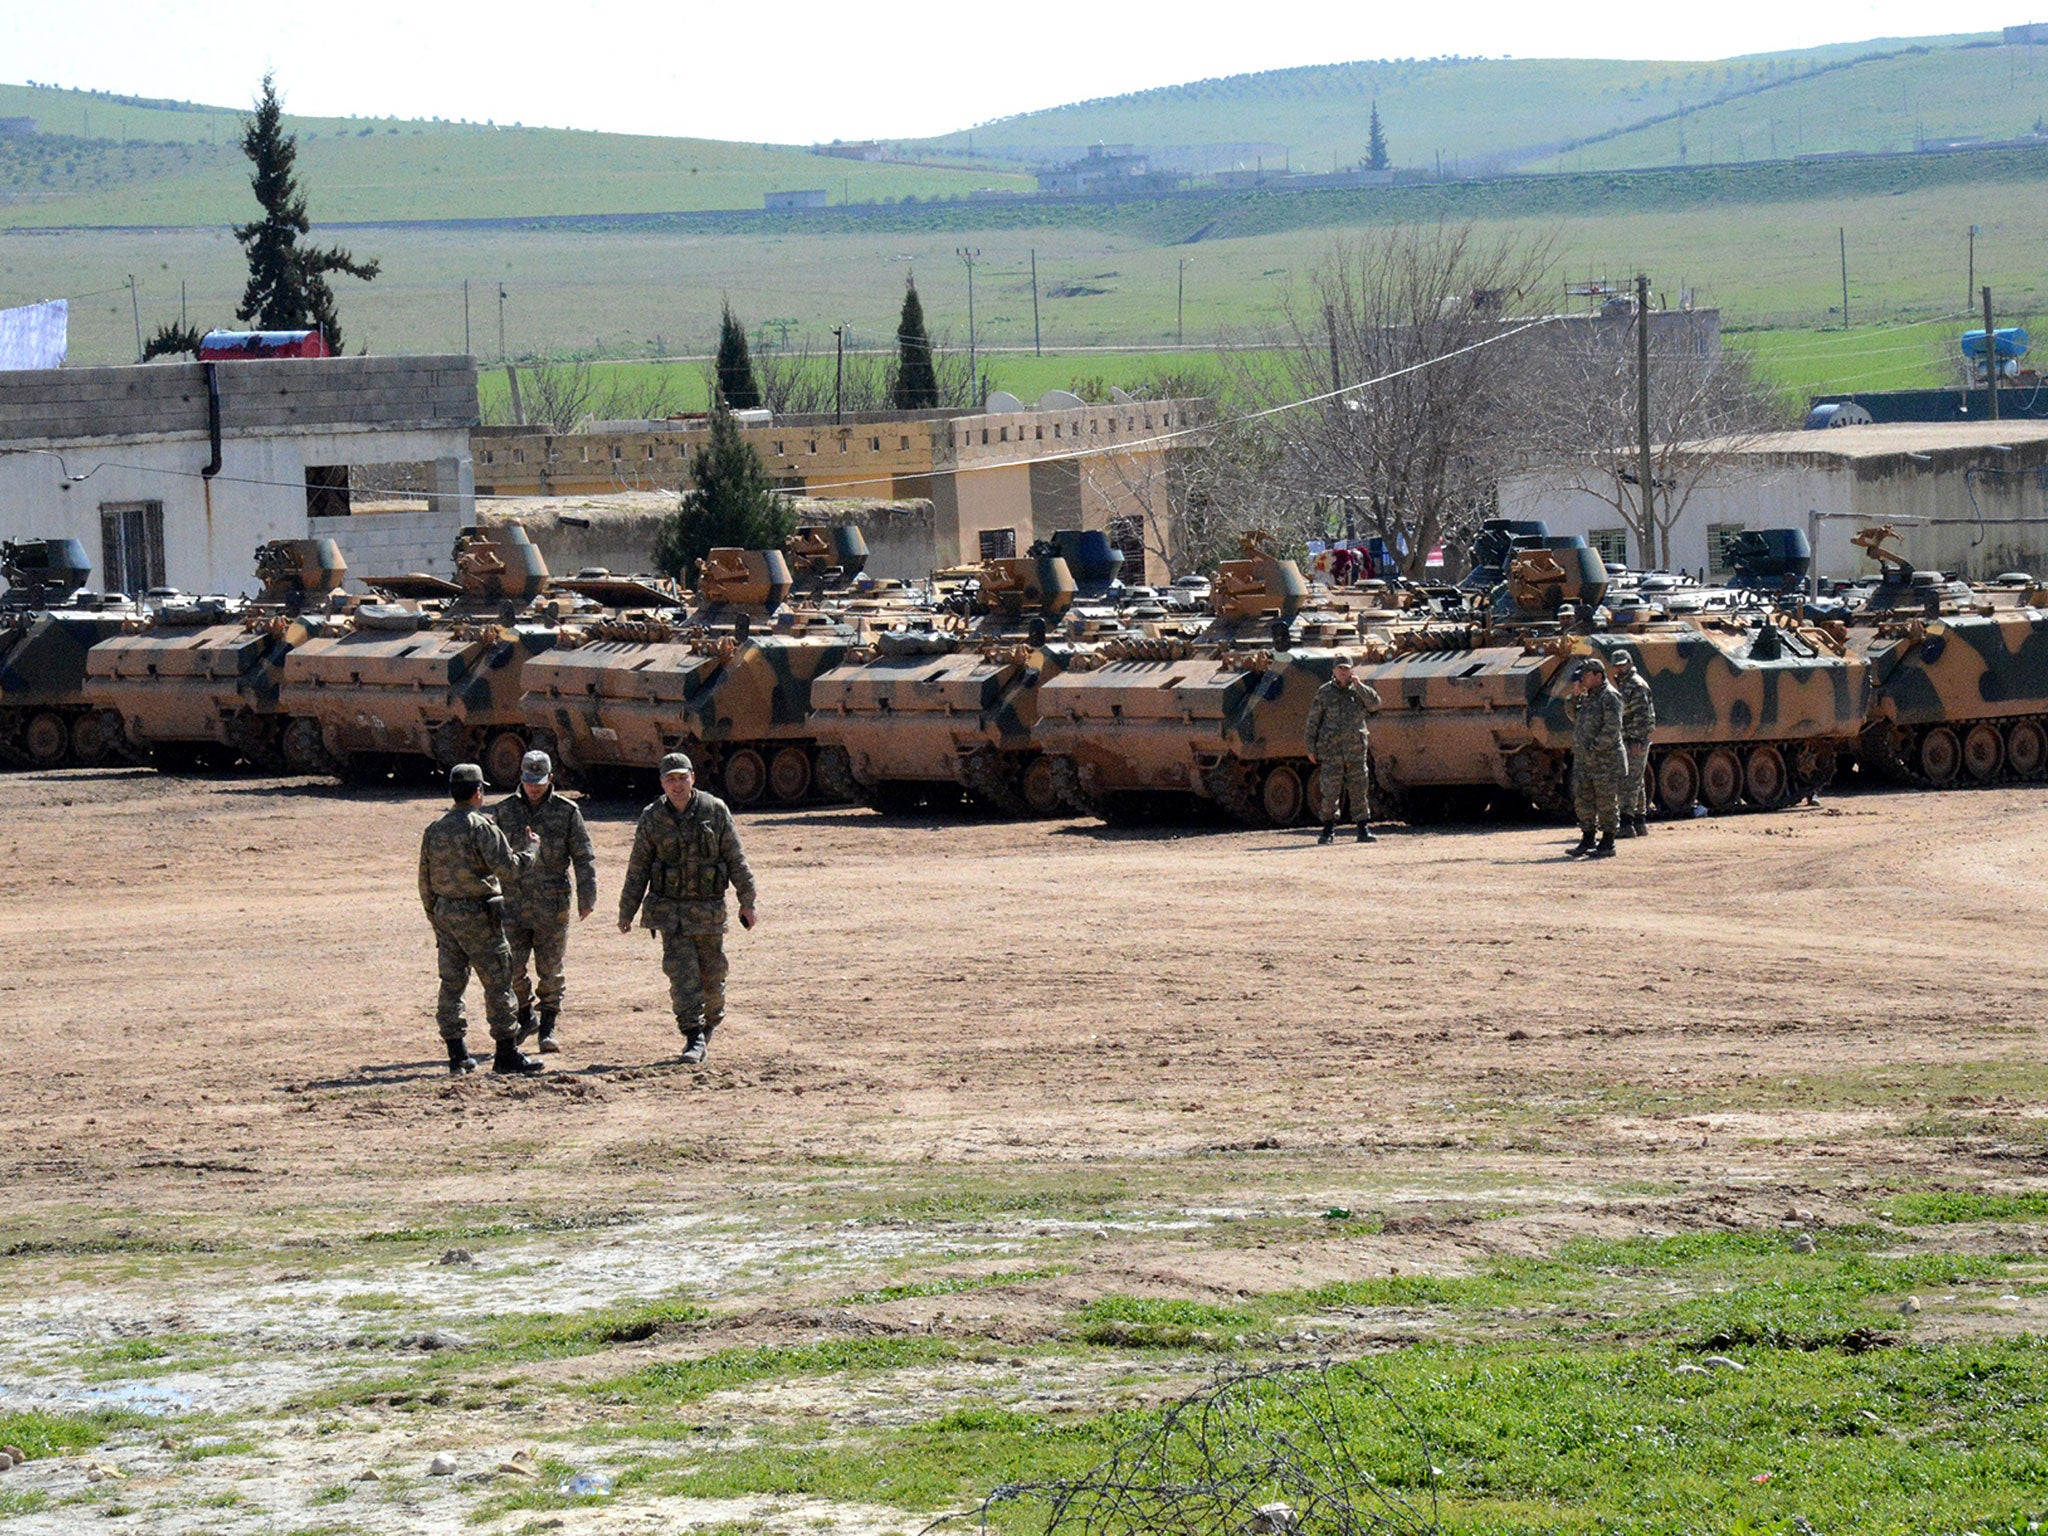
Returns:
<point x="501" y="758"/>
<point x="1983" y="753"/>
<point x="1072" y="787"/>
<point x="2026" y="749"/>
<point x="1813" y="767"/>
<point x="789" y="774"/>
<point x="835" y="774"/>
<point x="1764" y="779"/>
<point x="305" y="750"/>
<point x="1677" y="782"/>
<point x="1720" y="779"/>
<point x="1041" y="792"/>
<point x="746" y="777"/>
<point x="91" y="744"/>
<point x="1941" y="757"/>
<point x="1282" y="796"/>
<point x="45" y="739"/>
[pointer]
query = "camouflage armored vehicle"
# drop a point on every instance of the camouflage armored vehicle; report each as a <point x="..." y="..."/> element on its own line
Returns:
<point x="1959" y="677"/>
<point x="196" y="684"/>
<point x="48" y="627"/>
<point x="931" y="715"/>
<point x="433" y="678"/>
<point x="727" y="679"/>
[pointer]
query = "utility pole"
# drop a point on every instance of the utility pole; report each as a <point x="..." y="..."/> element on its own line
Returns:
<point x="1037" y="343"/>
<point x="1330" y="325"/>
<point x="183" y="320"/>
<point x="1970" y="289"/>
<point x="135" y="304"/>
<point x="1644" y="472"/>
<point x="1990" y="356"/>
<point x="973" y="368"/>
<point x="1843" y="235"/>
<point x="501" y="322"/>
<point x="465" y="319"/>
<point x="839" y="373"/>
<point x="1180" y="292"/>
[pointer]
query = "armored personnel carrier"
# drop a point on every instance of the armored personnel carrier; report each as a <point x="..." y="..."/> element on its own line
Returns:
<point x="727" y="679"/>
<point x="931" y="715"/>
<point x="48" y="626"/>
<point x="196" y="683"/>
<point x="432" y="678"/>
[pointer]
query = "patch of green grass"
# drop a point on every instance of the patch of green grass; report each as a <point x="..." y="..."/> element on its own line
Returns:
<point x="373" y="1301"/>
<point x="1936" y="1207"/>
<point x="1149" y="1322"/>
<point x="951" y="1286"/>
<point x="333" y="1493"/>
<point x="41" y="1433"/>
<point x="31" y="1502"/>
<point x="685" y="1381"/>
<point x="205" y="1450"/>
<point x="550" y="1336"/>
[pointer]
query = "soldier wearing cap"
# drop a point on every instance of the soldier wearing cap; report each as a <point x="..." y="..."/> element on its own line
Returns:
<point x="686" y="853"/>
<point x="1599" y="759"/>
<point x="537" y="902"/>
<point x="463" y="856"/>
<point x="1638" y="720"/>
<point x="1337" y="741"/>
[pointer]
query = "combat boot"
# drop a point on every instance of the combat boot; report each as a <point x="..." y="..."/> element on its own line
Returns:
<point x="511" y="1061"/>
<point x="526" y="1024"/>
<point x="547" y="1031"/>
<point x="1627" y="827"/>
<point x="1642" y="826"/>
<point x="1605" y="850"/>
<point x="1585" y="844"/>
<point x="460" y="1062"/>
<point x="696" y="1047"/>
<point x="1365" y="834"/>
<point x="1329" y="835"/>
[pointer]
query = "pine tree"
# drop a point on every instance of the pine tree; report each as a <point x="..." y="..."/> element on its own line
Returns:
<point x="738" y="390"/>
<point x="917" y="382"/>
<point x="1376" y="143"/>
<point x="288" y="287"/>
<point x="732" y="504"/>
<point x="172" y="340"/>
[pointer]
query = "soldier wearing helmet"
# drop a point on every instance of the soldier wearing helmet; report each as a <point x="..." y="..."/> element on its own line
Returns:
<point x="686" y="854"/>
<point x="1337" y="742"/>
<point x="1599" y="759"/>
<point x="537" y="902"/>
<point x="463" y="856"/>
<point x="1638" y="720"/>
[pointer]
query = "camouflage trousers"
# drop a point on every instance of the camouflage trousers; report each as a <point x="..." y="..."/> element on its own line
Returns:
<point x="467" y="937"/>
<point x="695" y="966"/>
<point x="1341" y="780"/>
<point x="1634" y="784"/>
<point x="1597" y="787"/>
<point x="543" y="938"/>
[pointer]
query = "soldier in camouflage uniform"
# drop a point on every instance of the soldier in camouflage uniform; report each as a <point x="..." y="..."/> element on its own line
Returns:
<point x="537" y="903"/>
<point x="463" y="856"/>
<point x="1599" y="760"/>
<point x="1337" y="738"/>
<point x="686" y="851"/>
<point x="1638" y="720"/>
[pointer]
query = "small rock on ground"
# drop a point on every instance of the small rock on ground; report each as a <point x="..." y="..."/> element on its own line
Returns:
<point x="441" y="1466"/>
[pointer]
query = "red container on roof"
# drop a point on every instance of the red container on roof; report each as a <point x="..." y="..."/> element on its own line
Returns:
<point x="221" y="346"/>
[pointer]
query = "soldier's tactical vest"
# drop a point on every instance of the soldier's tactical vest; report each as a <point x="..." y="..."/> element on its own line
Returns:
<point x="702" y="875"/>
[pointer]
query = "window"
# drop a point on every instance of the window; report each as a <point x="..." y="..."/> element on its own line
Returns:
<point x="1127" y="533"/>
<point x="131" y="546"/>
<point x="998" y="543"/>
<point x="1719" y="537"/>
<point x="903" y="445"/>
<point x="327" y="490"/>
<point x="1610" y="544"/>
<point x="776" y="446"/>
<point x="874" y="445"/>
<point x="1039" y="432"/>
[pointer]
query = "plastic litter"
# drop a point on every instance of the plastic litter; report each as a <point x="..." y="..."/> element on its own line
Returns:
<point x="587" y="1484"/>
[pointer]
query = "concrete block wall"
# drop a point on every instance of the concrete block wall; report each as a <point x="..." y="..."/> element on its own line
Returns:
<point x="391" y="543"/>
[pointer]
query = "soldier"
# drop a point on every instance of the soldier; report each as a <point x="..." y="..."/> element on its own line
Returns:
<point x="1337" y="737"/>
<point x="537" y="903"/>
<point x="462" y="857"/>
<point x="686" y="851"/>
<point x="1638" y="720"/>
<point x="1599" y="760"/>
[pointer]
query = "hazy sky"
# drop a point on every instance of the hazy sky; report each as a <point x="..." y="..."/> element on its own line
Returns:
<point x="796" y="72"/>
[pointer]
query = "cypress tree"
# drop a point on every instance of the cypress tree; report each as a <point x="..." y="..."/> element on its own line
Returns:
<point x="917" y="382"/>
<point x="1376" y="143"/>
<point x="288" y="287"/>
<point x="738" y="390"/>
<point x="731" y="505"/>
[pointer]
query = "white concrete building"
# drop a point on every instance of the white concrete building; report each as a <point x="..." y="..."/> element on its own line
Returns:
<point x="1970" y="498"/>
<point x="171" y="474"/>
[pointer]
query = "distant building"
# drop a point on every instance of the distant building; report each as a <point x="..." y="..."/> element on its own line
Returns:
<point x="1104" y="170"/>
<point x="16" y="127"/>
<point x="864" y="149"/>
<point x="779" y="202"/>
<point x="2028" y="32"/>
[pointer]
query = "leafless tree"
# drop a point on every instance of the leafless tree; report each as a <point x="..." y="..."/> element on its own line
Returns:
<point x="801" y="382"/>
<point x="558" y="397"/>
<point x="1410" y="323"/>
<point x="1582" y="416"/>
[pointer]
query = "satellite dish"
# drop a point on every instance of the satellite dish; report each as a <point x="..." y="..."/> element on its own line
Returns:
<point x="1839" y="413"/>
<point x="1002" y="403"/>
<point x="1061" y="400"/>
<point x="1120" y="396"/>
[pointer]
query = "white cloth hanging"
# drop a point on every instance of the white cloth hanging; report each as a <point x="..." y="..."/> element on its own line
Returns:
<point x="35" y="335"/>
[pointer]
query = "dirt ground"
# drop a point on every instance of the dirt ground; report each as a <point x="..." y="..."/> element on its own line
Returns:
<point x="957" y="1042"/>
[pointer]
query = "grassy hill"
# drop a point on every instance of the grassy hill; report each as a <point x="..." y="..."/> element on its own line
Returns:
<point x="1482" y="114"/>
<point x="99" y="161"/>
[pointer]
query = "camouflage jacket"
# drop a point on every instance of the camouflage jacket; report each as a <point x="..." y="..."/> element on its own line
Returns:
<point x="1596" y="725"/>
<point x="681" y="865"/>
<point x="1638" y="710"/>
<point x="463" y="856"/>
<point x="564" y="841"/>
<point x="1337" y="716"/>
